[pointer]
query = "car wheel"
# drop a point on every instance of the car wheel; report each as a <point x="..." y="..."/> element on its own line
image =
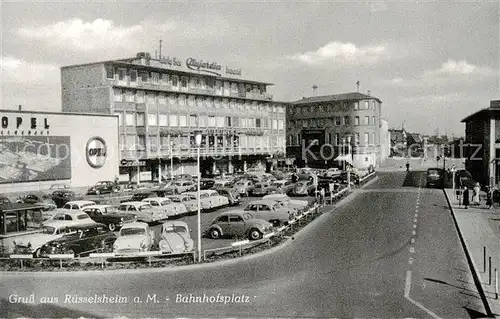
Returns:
<point x="71" y="252"/>
<point x="112" y="227"/>
<point x="214" y="233"/>
<point x="254" y="234"/>
<point x="37" y="253"/>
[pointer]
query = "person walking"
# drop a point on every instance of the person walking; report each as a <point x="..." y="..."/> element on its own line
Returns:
<point x="465" y="197"/>
<point x="475" y="196"/>
<point x="408" y="166"/>
<point x="489" y="201"/>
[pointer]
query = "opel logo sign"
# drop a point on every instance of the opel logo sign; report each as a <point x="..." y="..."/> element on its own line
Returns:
<point x="96" y="152"/>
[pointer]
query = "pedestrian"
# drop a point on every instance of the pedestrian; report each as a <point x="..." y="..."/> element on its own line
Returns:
<point x="322" y="194"/>
<point x="489" y="201"/>
<point x="475" y="196"/>
<point x="408" y="166"/>
<point x="465" y="197"/>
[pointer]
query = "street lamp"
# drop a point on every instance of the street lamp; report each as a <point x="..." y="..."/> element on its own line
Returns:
<point x="171" y="159"/>
<point x="197" y="137"/>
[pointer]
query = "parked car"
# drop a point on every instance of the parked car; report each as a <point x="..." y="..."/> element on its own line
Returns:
<point x="261" y="189"/>
<point x="185" y="186"/>
<point x="216" y="199"/>
<point x="39" y="198"/>
<point x="59" y="186"/>
<point x="298" y="205"/>
<point x="435" y="177"/>
<point x="175" y="238"/>
<point x="62" y="196"/>
<point x="73" y="217"/>
<point x="78" y="204"/>
<point x="169" y="190"/>
<point x="270" y="211"/>
<point x="144" y="211"/>
<point x="188" y="200"/>
<point x="4" y="200"/>
<point x="206" y="202"/>
<point x="183" y="177"/>
<point x="109" y="216"/>
<point x="206" y="183"/>
<point x="133" y="238"/>
<point x="81" y="240"/>
<point x="238" y="224"/>
<point x="31" y="244"/>
<point x="133" y="187"/>
<point x="332" y="172"/>
<point x="244" y="187"/>
<point x="303" y="188"/>
<point x="232" y="195"/>
<point x="223" y="183"/>
<point x="137" y="197"/>
<point x="172" y="209"/>
<point x="102" y="187"/>
<point x="283" y="186"/>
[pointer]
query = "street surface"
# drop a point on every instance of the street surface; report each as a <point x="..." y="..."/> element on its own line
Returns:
<point x="390" y="252"/>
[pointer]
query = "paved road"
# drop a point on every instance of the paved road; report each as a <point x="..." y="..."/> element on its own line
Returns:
<point x="369" y="258"/>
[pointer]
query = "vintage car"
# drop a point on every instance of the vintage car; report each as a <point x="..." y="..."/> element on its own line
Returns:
<point x="133" y="238"/>
<point x="207" y="183"/>
<point x="332" y="172"/>
<point x="270" y="211"/>
<point x="206" y="202"/>
<point x="283" y="186"/>
<point x="303" y="188"/>
<point x="299" y="205"/>
<point x="60" y="186"/>
<point x="435" y="177"/>
<point x="72" y="216"/>
<point x="81" y="240"/>
<point x="261" y="189"/>
<point x="4" y="200"/>
<point x="144" y="212"/>
<point x="175" y="238"/>
<point x="232" y="195"/>
<point x="216" y="199"/>
<point x="62" y="196"/>
<point x="39" y="198"/>
<point x="137" y="197"/>
<point x="185" y="186"/>
<point x="109" y="216"/>
<point x="183" y="177"/>
<point x="189" y="201"/>
<point x="238" y="224"/>
<point x="30" y="244"/>
<point x="102" y="187"/>
<point x="243" y="187"/>
<point x="78" y="204"/>
<point x="169" y="190"/>
<point x="223" y="183"/>
<point x="171" y="208"/>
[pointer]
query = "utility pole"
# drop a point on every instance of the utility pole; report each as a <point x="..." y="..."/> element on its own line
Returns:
<point x="159" y="55"/>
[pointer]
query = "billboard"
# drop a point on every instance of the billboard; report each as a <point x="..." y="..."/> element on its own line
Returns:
<point x="34" y="158"/>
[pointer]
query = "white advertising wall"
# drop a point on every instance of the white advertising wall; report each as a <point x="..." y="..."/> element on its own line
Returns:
<point x="38" y="149"/>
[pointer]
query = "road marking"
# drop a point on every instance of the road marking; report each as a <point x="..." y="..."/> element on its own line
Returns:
<point x="412" y="250"/>
<point x="413" y="233"/>
<point x="416" y="215"/>
<point x="407" y="296"/>
<point x="412" y="240"/>
<point x="415" y="220"/>
<point x="414" y="226"/>
<point x="410" y="260"/>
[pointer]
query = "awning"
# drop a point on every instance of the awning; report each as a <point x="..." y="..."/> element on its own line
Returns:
<point x="346" y="158"/>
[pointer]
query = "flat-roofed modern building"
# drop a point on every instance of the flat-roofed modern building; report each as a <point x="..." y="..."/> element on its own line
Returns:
<point x="162" y="102"/>
<point x="322" y="128"/>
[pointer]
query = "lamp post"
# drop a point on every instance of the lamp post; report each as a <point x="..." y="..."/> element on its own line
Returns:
<point x="197" y="136"/>
<point x="343" y="153"/>
<point x="171" y="159"/>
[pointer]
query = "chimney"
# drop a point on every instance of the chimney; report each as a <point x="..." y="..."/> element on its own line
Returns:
<point x="368" y="93"/>
<point x="20" y="107"/>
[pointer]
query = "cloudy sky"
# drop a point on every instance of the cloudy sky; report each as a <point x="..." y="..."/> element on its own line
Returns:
<point x="431" y="63"/>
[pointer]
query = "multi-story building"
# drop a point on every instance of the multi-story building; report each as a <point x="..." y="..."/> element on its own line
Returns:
<point x="162" y="103"/>
<point x="481" y="147"/>
<point x="322" y="128"/>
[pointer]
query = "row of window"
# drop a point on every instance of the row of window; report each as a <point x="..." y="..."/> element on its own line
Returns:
<point x="132" y="96"/>
<point x="130" y="77"/>
<point x="140" y="142"/>
<point x="335" y="121"/>
<point x="176" y="120"/>
<point x="335" y="139"/>
<point x="334" y="107"/>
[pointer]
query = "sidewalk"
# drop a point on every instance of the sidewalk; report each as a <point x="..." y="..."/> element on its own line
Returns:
<point x="480" y="228"/>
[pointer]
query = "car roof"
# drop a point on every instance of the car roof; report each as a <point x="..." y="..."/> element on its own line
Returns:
<point x="271" y="196"/>
<point x="90" y="225"/>
<point x="175" y="223"/>
<point x="262" y="201"/>
<point x="135" y="225"/>
<point x="97" y="206"/>
<point x="81" y="202"/>
<point x="69" y="211"/>
<point x="155" y="198"/>
<point x="58" y="223"/>
<point x="134" y="203"/>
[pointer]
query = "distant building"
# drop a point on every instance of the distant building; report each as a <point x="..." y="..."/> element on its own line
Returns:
<point x="482" y="144"/>
<point x="398" y="142"/>
<point x="346" y="125"/>
<point x="385" y="140"/>
<point x="162" y="102"/>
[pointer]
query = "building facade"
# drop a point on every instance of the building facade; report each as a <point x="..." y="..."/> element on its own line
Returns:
<point x="322" y="128"/>
<point x="481" y="147"/>
<point x="39" y="149"/>
<point x="162" y="103"/>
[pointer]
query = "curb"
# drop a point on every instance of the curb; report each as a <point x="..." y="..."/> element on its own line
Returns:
<point x="470" y="262"/>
